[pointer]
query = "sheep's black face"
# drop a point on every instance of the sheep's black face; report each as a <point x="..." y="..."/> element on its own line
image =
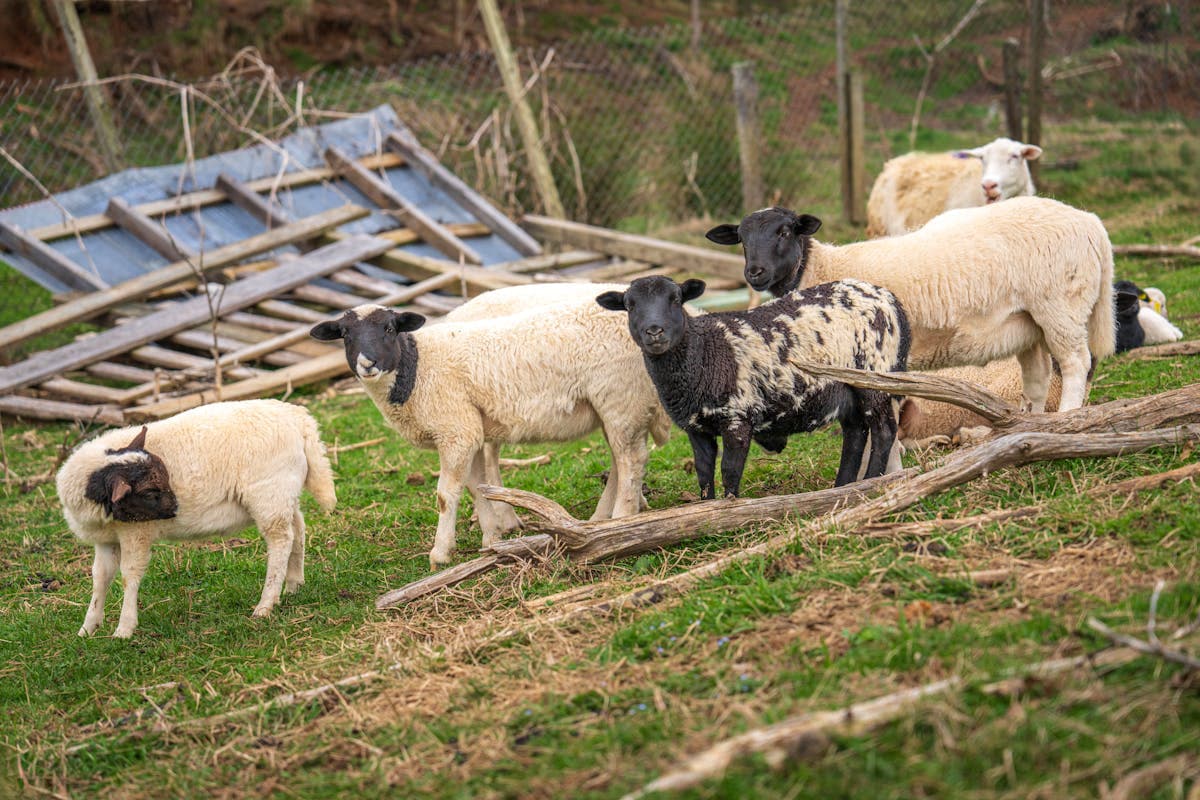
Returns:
<point x="657" y="320"/>
<point x="372" y="335"/>
<point x="135" y="487"/>
<point x="1130" y="333"/>
<point x="775" y="241"/>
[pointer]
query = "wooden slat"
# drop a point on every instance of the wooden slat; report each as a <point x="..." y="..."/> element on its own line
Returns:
<point x="250" y="201"/>
<point x="174" y="359"/>
<point x="286" y="310"/>
<point x="83" y="391"/>
<point x="363" y="283"/>
<point x="259" y="321"/>
<point x="426" y="163"/>
<point x="315" y="369"/>
<point x="53" y="262"/>
<point x="327" y="297"/>
<point x="91" y="305"/>
<point x="40" y="408"/>
<point x="202" y="340"/>
<point x="189" y="313"/>
<point x="111" y="371"/>
<point x="383" y="195"/>
<point x="146" y="230"/>
<point x="208" y="197"/>
<point x="640" y="248"/>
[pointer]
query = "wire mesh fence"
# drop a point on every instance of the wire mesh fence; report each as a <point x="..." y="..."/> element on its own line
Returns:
<point x="639" y="124"/>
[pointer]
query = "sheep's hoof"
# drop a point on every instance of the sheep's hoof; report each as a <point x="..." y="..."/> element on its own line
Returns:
<point x="122" y="633"/>
<point x="262" y="611"/>
<point x="438" y="561"/>
<point x="85" y="632"/>
<point x="290" y="587"/>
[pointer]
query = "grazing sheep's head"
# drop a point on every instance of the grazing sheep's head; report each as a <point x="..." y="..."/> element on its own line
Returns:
<point x="657" y="320"/>
<point x="134" y="485"/>
<point x="776" y="243"/>
<point x="373" y="337"/>
<point x="1005" y="168"/>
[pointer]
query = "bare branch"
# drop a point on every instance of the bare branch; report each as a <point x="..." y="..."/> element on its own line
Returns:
<point x="1166" y="654"/>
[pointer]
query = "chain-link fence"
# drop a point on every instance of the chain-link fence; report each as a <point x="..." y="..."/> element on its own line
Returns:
<point x="640" y="124"/>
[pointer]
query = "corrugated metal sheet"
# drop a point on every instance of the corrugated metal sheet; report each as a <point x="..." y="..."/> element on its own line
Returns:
<point x="116" y="255"/>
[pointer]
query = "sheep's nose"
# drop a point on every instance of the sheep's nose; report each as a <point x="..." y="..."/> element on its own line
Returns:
<point x="754" y="272"/>
<point x="654" y="331"/>
<point x="990" y="186"/>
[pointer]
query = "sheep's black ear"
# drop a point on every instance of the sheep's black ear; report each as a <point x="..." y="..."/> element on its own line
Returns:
<point x="613" y="301"/>
<point x="139" y="441"/>
<point x="692" y="288"/>
<point x="1126" y="302"/>
<point x="807" y="225"/>
<point x="327" y="331"/>
<point x="724" y="234"/>
<point x="404" y="321"/>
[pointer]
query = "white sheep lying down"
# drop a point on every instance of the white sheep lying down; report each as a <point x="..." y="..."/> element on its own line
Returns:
<point x="1029" y="277"/>
<point x="553" y="373"/>
<point x="207" y="472"/>
<point x="914" y="188"/>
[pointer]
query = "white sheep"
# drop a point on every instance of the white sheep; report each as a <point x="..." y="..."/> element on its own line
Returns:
<point x="553" y="373"/>
<point x="207" y="472"/>
<point x="914" y="188"/>
<point x="513" y="300"/>
<point x="1029" y="277"/>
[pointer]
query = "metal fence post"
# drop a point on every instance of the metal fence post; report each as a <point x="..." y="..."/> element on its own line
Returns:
<point x="745" y="98"/>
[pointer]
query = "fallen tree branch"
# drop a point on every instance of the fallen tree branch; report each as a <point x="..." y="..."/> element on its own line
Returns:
<point x="1168" y="350"/>
<point x="1156" y="250"/>
<point x="856" y="504"/>
<point x="1143" y="781"/>
<point x="809" y="732"/>
<point x="1149" y="648"/>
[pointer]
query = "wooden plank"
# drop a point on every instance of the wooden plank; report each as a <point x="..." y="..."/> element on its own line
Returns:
<point x="259" y="321"/>
<point x="83" y="391"/>
<point x="250" y="201"/>
<point x="208" y="197"/>
<point x="91" y="305"/>
<point x="312" y="370"/>
<point x="286" y="310"/>
<point x="327" y="297"/>
<point x="189" y="313"/>
<point x="174" y="359"/>
<point x="39" y="408"/>
<point x="146" y="230"/>
<point x="424" y="162"/>
<point x="363" y="283"/>
<point x="383" y="195"/>
<point x="111" y="371"/>
<point x="640" y="248"/>
<point x="202" y="340"/>
<point x="53" y="262"/>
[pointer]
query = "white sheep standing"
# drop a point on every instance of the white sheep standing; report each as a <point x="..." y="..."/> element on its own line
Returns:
<point x="514" y="300"/>
<point x="1029" y="277"/>
<point x="207" y="472"/>
<point x="553" y="373"/>
<point x="914" y="188"/>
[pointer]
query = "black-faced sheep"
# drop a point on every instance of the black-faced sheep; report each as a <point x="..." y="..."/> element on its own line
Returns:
<point x="548" y="374"/>
<point x="206" y="472"/>
<point x="1028" y="277"/>
<point x="914" y="188"/>
<point x="732" y="374"/>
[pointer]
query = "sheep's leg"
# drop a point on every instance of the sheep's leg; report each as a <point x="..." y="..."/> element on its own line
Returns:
<point x="1075" y="368"/>
<point x="135" y="555"/>
<point x="1035" y="377"/>
<point x="854" y="442"/>
<point x="881" y="421"/>
<point x="277" y="532"/>
<point x="103" y="570"/>
<point x="506" y="518"/>
<point x="736" y="443"/>
<point x="608" y="497"/>
<point x="488" y="522"/>
<point x="295" y="568"/>
<point x="704" y="454"/>
<point x="456" y="458"/>
<point x="629" y="455"/>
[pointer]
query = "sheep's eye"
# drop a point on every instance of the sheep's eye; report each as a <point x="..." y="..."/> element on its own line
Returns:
<point x="785" y="232"/>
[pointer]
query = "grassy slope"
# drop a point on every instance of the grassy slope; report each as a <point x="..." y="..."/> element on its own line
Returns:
<point x="601" y="707"/>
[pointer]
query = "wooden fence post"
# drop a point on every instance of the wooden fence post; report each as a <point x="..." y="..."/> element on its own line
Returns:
<point x="97" y="100"/>
<point x="543" y="178"/>
<point x="745" y="98"/>
<point x="1037" y="51"/>
<point x="1012" y="88"/>
<point x="854" y="167"/>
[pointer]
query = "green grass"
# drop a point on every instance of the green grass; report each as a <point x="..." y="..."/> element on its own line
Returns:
<point x="599" y="707"/>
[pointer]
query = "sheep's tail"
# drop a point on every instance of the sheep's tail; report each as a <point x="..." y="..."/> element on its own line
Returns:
<point x="1102" y="328"/>
<point x="660" y="427"/>
<point x="320" y="475"/>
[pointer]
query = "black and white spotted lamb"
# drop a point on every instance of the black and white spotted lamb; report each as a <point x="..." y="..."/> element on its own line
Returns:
<point x="732" y="374"/>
